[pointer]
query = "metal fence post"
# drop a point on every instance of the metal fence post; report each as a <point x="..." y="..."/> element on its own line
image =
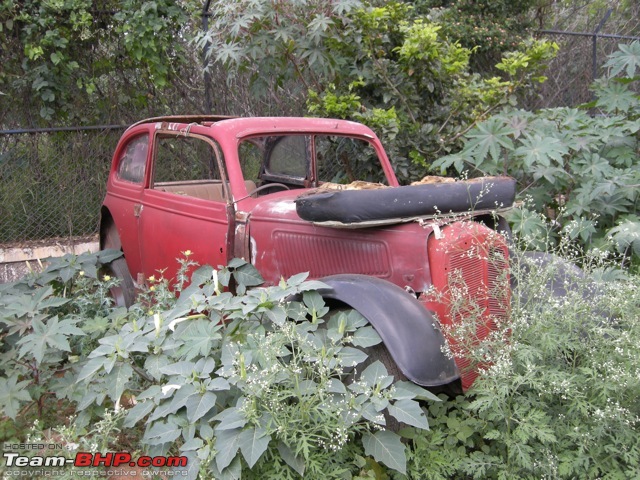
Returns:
<point x="595" y="42"/>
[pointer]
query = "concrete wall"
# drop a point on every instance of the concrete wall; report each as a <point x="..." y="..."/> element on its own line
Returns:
<point x="15" y="262"/>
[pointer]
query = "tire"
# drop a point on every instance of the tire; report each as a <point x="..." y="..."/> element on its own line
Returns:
<point x="567" y="278"/>
<point x="124" y="294"/>
<point x="381" y="353"/>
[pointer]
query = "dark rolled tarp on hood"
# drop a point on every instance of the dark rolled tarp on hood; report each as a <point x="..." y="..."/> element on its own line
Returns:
<point x="355" y="206"/>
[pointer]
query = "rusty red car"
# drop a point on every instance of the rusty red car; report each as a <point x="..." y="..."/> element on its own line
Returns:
<point x="293" y="195"/>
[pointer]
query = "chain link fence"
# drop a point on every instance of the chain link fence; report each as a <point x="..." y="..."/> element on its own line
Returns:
<point x="579" y="62"/>
<point x="52" y="181"/>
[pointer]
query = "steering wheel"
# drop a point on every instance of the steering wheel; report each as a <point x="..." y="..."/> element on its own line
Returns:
<point x="265" y="186"/>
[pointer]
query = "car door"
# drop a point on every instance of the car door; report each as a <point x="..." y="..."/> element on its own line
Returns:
<point x="185" y="206"/>
<point x="127" y="181"/>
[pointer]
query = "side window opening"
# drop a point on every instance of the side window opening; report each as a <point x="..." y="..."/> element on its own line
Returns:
<point x="133" y="161"/>
<point x="190" y="166"/>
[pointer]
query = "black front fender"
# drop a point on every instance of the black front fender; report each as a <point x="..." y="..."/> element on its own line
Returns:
<point x="407" y="329"/>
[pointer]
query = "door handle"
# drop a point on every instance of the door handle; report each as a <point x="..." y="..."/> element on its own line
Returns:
<point x="137" y="209"/>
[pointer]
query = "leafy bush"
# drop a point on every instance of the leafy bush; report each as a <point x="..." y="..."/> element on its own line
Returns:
<point x="578" y="169"/>
<point x="559" y="399"/>
<point x="62" y="59"/>
<point x="263" y="380"/>
<point x="261" y="383"/>
<point x="390" y="67"/>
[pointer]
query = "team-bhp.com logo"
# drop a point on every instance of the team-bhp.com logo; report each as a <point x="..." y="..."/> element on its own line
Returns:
<point x="110" y="464"/>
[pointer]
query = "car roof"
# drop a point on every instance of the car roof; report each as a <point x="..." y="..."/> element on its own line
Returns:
<point x="188" y="119"/>
<point x="247" y="126"/>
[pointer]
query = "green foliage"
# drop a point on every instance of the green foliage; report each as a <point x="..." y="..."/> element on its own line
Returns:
<point x="61" y="56"/>
<point x="265" y="381"/>
<point x="559" y="400"/>
<point x="488" y="27"/>
<point x="389" y="67"/>
<point x="149" y="30"/>
<point x="47" y="323"/>
<point x="578" y="169"/>
<point x="262" y="384"/>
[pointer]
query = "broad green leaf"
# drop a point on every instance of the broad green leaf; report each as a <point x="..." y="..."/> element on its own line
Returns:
<point x="297" y="463"/>
<point x="277" y="314"/>
<point x="443" y="163"/>
<point x="247" y="276"/>
<point x="227" y="444"/>
<point x="192" y="470"/>
<point x="167" y="407"/>
<point x="366" y="337"/>
<point x="230" y="419"/>
<point x="137" y="413"/>
<point x="108" y="255"/>
<point x="217" y="384"/>
<point x="627" y="58"/>
<point x="352" y="356"/>
<point x="376" y="374"/>
<point x="617" y="98"/>
<point x="90" y="397"/>
<point x="386" y="447"/>
<point x="153" y="364"/>
<point x="373" y="414"/>
<point x="296" y="280"/>
<point x="12" y="394"/>
<point x="253" y="443"/>
<point x="91" y="367"/>
<point x="193" y="444"/>
<point x="162" y="432"/>
<point x="199" y="337"/>
<point x="335" y="386"/>
<point x="409" y="412"/>
<point x="179" y="399"/>
<point x="199" y="405"/>
<point x="184" y="369"/>
<point x="408" y="390"/>
<point x="488" y="139"/>
<point x="627" y="234"/>
<point x="315" y="303"/>
<point x="312" y="285"/>
<point x="202" y="275"/>
<point x="52" y="334"/>
<point x="536" y="150"/>
<point x="554" y="175"/>
<point x="118" y="379"/>
<point x="232" y="472"/>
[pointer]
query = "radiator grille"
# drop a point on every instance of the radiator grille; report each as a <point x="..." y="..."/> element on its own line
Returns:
<point x="469" y="267"/>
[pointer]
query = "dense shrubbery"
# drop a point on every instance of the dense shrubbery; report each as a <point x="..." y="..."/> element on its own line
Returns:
<point x="390" y="67"/>
<point x="579" y="168"/>
<point x="257" y="380"/>
<point x="264" y="392"/>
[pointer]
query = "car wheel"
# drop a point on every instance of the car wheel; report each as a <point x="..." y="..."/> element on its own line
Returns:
<point x="124" y="294"/>
<point x="381" y="353"/>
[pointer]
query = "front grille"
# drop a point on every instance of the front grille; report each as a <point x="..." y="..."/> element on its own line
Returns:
<point x="470" y="296"/>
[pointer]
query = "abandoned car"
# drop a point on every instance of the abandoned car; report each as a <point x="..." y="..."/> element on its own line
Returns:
<point x="293" y="195"/>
